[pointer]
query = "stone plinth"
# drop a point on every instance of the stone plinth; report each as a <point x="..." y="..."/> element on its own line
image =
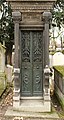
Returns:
<point x="33" y="105"/>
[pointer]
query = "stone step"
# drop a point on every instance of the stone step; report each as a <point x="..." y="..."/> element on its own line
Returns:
<point x="34" y="105"/>
<point x="32" y="115"/>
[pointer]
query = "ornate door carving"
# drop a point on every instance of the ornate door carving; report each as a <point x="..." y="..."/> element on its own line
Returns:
<point x="37" y="62"/>
<point x="31" y="63"/>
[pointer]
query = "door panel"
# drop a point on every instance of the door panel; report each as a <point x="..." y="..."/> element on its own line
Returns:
<point x="31" y="63"/>
<point x="37" y="80"/>
<point x="26" y="79"/>
<point x="37" y="62"/>
<point x="26" y="70"/>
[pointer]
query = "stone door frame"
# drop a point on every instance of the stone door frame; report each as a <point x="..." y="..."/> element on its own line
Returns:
<point x="17" y="79"/>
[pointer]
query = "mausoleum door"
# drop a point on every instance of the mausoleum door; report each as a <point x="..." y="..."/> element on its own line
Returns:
<point x="31" y="63"/>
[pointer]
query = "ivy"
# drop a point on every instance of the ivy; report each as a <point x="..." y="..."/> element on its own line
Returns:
<point x="58" y="13"/>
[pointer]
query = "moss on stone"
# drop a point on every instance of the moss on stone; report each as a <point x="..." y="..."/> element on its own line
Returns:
<point x="60" y="69"/>
<point x="52" y="52"/>
<point x="61" y="101"/>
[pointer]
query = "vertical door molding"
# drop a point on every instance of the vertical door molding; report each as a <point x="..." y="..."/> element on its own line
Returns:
<point x="47" y="17"/>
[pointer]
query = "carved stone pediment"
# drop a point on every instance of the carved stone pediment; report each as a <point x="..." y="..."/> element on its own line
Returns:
<point x="31" y="6"/>
<point x="31" y="10"/>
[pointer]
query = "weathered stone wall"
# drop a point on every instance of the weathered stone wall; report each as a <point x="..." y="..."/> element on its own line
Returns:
<point x="2" y="69"/>
<point x="59" y="85"/>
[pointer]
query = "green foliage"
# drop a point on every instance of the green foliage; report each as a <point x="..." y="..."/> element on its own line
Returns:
<point x="60" y="69"/>
<point x="58" y="13"/>
<point x="6" y="23"/>
<point x="52" y="52"/>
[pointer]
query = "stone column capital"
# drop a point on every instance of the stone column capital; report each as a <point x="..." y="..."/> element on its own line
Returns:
<point x="47" y="16"/>
<point x="16" y="15"/>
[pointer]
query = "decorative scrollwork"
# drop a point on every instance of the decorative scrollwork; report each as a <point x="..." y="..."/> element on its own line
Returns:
<point x="37" y="45"/>
<point x="31" y="62"/>
<point x="25" y="46"/>
<point x="37" y="82"/>
<point x="25" y="82"/>
<point x="37" y="79"/>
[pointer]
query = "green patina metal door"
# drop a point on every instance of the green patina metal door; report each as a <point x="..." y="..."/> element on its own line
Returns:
<point x="31" y="63"/>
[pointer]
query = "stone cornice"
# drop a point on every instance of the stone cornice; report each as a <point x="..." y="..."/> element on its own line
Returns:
<point x="31" y="6"/>
<point x="32" y="0"/>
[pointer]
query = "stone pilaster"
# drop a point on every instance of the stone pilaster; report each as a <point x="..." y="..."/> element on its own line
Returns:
<point x="16" y="93"/>
<point x="47" y="18"/>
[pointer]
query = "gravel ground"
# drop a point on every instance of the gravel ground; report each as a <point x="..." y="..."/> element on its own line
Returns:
<point x="6" y="101"/>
